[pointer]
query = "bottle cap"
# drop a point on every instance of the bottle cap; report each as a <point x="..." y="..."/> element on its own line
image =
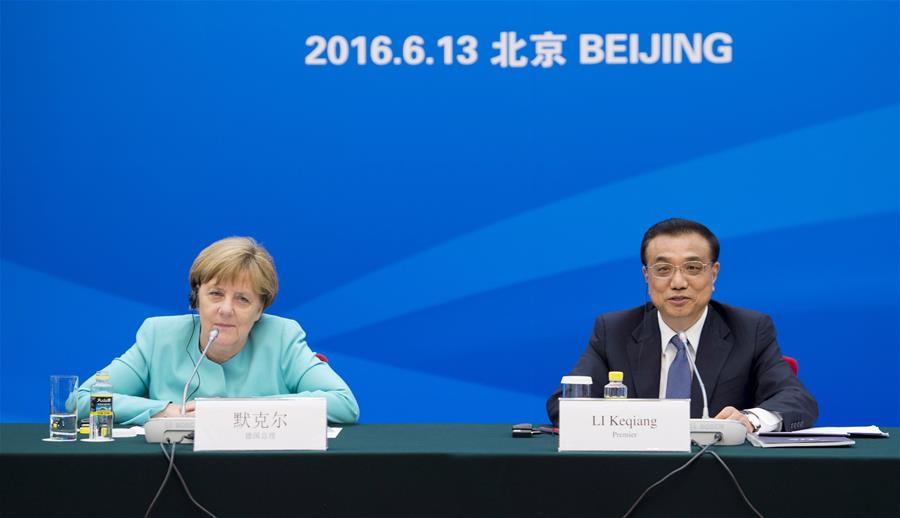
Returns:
<point x="616" y="375"/>
<point x="577" y="380"/>
<point x="102" y="375"/>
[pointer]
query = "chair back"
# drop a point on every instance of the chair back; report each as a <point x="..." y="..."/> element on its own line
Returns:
<point x="793" y="363"/>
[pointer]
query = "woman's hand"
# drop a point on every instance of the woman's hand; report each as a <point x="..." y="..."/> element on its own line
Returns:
<point x="173" y="410"/>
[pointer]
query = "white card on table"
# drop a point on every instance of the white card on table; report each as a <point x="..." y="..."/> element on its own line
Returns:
<point x="247" y="424"/>
<point x="587" y="424"/>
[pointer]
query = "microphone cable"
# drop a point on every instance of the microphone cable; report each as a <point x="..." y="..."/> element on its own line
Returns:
<point x="704" y="449"/>
<point x="736" y="484"/>
<point x="676" y="470"/>
<point x="183" y="482"/>
<point x="165" y="479"/>
<point x="171" y="459"/>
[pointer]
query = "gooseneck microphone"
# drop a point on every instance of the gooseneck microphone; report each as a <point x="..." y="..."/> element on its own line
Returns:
<point x="178" y="429"/>
<point x="705" y="430"/>
<point x="690" y="356"/>
<point x="212" y="338"/>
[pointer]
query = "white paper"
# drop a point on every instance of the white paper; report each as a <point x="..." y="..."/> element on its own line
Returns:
<point x="134" y="431"/>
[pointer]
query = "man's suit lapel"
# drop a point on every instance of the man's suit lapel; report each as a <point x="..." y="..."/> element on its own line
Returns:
<point x="711" y="356"/>
<point x="645" y="355"/>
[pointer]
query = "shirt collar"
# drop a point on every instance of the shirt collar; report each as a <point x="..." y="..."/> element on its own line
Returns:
<point x="693" y="333"/>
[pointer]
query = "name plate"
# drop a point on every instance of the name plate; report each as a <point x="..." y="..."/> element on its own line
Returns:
<point x="247" y="424"/>
<point x="624" y="424"/>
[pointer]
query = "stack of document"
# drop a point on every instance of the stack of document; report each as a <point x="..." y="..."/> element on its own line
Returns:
<point x="798" y="441"/>
<point x="812" y="437"/>
<point x="844" y="431"/>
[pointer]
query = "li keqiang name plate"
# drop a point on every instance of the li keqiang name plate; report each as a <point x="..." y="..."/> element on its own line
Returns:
<point x="624" y="424"/>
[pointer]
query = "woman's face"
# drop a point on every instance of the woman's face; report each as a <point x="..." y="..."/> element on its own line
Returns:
<point x="232" y="307"/>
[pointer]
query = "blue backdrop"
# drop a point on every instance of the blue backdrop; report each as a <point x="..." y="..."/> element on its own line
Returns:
<point x="446" y="233"/>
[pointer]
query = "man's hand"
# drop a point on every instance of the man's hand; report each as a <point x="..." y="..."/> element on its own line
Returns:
<point x="173" y="410"/>
<point x="734" y="414"/>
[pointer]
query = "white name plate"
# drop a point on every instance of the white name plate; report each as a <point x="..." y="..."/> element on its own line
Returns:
<point x="587" y="424"/>
<point x="245" y="424"/>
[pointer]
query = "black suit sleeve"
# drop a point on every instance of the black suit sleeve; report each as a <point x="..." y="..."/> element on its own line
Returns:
<point x="777" y="388"/>
<point x="593" y="363"/>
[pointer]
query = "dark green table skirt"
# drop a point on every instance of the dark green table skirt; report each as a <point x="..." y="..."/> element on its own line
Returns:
<point x="441" y="470"/>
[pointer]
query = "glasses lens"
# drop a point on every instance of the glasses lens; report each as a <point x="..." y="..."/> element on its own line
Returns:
<point x="663" y="269"/>
<point x="693" y="268"/>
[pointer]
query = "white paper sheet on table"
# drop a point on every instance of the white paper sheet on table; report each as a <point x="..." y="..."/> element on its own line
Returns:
<point x="135" y="431"/>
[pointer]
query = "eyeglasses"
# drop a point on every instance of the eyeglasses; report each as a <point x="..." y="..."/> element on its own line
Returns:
<point x="666" y="270"/>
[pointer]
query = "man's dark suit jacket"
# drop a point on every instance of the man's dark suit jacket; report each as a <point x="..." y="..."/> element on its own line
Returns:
<point x="738" y="358"/>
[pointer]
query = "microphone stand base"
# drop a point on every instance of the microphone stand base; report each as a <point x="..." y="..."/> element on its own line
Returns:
<point x="704" y="431"/>
<point x="178" y="430"/>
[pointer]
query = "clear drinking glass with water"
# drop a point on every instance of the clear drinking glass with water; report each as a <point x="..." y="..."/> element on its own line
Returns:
<point x="576" y="386"/>
<point x="63" y="408"/>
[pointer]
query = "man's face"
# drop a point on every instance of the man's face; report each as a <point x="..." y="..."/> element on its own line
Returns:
<point x="680" y="297"/>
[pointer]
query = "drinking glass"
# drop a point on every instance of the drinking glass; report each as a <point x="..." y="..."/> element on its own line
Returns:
<point x="576" y="386"/>
<point x="63" y="408"/>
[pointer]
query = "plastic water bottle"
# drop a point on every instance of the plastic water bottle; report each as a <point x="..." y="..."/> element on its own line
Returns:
<point x="615" y="389"/>
<point x="101" y="420"/>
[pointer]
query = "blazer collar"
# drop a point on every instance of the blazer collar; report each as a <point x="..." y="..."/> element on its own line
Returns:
<point x="715" y="347"/>
<point x="645" y="355"/>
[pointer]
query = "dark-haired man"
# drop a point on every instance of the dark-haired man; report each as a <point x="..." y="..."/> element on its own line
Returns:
<point x="736" y="353"/>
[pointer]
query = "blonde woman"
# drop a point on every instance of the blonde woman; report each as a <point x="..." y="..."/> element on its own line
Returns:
<point x="232" y="282"/>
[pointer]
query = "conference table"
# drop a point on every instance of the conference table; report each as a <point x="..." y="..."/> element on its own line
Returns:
<point x="441" y="470"/>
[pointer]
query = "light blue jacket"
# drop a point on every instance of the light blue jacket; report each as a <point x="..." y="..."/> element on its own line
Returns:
<point x="275" y="361"/>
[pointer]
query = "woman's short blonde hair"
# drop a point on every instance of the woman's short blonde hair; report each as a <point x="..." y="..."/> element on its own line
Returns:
<point x="229" y="260"/>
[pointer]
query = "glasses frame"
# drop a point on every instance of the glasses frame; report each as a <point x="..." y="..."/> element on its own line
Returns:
<point x="652" y="269"/>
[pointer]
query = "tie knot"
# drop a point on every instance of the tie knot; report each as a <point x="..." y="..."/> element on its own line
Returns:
<point x="676" y="341"/>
